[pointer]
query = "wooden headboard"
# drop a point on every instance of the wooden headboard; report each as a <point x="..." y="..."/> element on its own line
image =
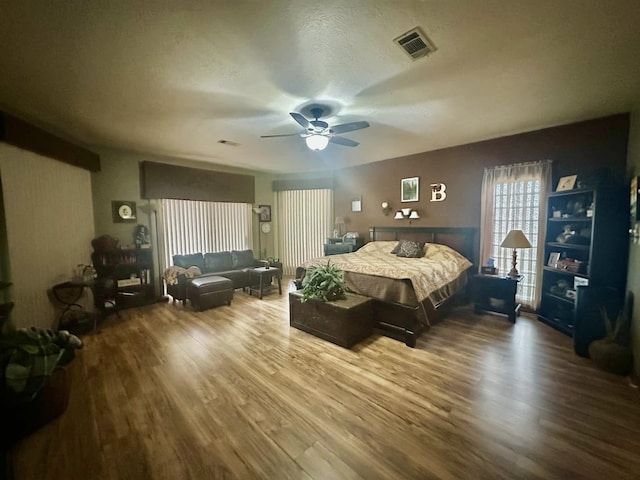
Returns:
<point x="462" y="239"/>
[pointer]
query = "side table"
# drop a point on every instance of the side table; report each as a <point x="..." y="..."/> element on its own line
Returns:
<point x="493" y="293"/>
<point x="264" y="278"/>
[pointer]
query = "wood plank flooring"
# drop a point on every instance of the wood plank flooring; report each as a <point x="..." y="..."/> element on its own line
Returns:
<point x="235" y="393"/>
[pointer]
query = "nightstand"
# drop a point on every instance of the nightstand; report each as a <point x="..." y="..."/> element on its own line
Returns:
<point x="492" y="293"/>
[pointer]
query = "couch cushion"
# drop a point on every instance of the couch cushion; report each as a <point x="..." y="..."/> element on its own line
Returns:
<point x="216" y="262"/>
<point x="242" y="258"/>
<point x="186" y="261"/>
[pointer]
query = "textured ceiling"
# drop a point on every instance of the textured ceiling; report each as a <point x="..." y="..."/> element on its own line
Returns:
<point x="173" y="78"/>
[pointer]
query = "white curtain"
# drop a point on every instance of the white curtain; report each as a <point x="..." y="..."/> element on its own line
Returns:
<point x="304" y="221"/>
<point x="190" y="227"/>
<point x="513" y="198"/>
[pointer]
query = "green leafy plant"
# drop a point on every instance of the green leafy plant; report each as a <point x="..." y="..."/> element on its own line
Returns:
<point x="324" y="283"/>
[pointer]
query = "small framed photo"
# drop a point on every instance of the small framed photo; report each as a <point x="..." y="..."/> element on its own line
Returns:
<point x="566" y="183"/>
<point x="409" y="189"/>
<point x="554" y="258"/>
<point x="265" y="213"/>
<point x="356" y="204"/>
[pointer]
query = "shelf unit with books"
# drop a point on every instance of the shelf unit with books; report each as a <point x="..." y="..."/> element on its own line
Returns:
<point x="586" y="245"/>
<point x="125" y="278"/>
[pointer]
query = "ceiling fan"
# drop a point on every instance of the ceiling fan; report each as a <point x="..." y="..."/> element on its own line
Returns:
<point x="318" y="134"/>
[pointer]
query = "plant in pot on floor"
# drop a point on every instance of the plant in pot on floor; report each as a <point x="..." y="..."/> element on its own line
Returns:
<point x="613" y="352"/>
<point x="323" y="283"/>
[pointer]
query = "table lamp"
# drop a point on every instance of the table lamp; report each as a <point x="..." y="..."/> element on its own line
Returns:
<point x="515" y="239"/>
<point x="338" y="224"/>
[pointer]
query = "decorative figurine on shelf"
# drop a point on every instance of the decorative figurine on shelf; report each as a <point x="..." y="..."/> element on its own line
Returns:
<point x="568" y="232"/>
<point x="141" y="235"/>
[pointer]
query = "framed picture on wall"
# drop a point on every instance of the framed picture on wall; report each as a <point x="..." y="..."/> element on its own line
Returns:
<point x="409" y="189"/>
<point x="265" y="213"/>
<point x="123" y="211"/>
<point x="356" y="204"/>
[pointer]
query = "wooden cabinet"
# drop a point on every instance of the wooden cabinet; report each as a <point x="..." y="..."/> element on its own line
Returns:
<point x="125" y="278"/>
<point x="586" y="243"/>
<point x="344" y="322"/>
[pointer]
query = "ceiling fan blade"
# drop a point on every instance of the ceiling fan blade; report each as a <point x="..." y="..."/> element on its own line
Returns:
<point x="348" y="127"/>
<point x="283" y="135"/>
<point x="347" y="142"/>
<point x="301" y="120"/>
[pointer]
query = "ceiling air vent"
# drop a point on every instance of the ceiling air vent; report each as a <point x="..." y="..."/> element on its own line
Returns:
<point x="415" y="43"/>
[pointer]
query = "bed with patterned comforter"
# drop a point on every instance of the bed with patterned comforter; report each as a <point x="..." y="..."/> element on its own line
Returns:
<point x="419" y="284"/>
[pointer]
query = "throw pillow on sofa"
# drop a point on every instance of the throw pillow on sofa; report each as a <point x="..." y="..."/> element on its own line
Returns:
<point x="242" y="258"/>
<point x="218" y="262"/>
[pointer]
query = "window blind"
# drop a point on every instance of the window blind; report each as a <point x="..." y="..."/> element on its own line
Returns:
<point x="191" y="227"/>
<point x="304" y="221"/>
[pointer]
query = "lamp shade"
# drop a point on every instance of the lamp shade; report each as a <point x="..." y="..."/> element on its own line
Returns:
<point x="317" y="142"/>
<point x="398" y="216"/>
<point x="515" y="239"/>
<point x="339" y="221"/>
<point x="406" y="211"/>
<point x="414" y="214"/>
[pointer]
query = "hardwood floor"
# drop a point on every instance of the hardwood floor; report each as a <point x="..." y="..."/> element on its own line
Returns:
<point x="234" y="392"/>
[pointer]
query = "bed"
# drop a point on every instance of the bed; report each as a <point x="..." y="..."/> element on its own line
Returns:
<point x="409" y="294"/>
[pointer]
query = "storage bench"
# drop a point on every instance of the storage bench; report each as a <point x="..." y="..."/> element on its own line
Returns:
<point x="343" y="322"/>
<point x="209" y="291"/>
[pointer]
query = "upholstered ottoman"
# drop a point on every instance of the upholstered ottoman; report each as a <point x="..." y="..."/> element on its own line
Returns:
<point x="209" y="291"/>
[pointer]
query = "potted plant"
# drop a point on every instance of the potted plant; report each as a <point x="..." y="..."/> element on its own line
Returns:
<point x="613" y="352"/>
<point x="324" y="283"/>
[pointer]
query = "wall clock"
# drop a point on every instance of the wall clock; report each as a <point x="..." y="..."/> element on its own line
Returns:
<point x="265" y="227"/>
<point x="123" y="211"/>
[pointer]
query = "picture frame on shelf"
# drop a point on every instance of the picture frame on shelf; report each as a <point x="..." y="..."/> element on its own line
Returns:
<point x="409" y="189"/>
<point x="554" y="258"/>
<point x="265" y="213"/>
<point x="566" y="183"/>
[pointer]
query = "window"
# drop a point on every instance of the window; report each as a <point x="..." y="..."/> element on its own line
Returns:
<point x="512" y="197"/>
<point x="192" y="227"/>
<point x="304" y="221"/>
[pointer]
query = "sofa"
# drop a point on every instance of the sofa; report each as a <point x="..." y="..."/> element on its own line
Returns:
<point x="234" y="265"/>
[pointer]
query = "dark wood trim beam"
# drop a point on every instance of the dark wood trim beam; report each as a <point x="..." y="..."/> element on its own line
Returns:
<point x="23" y="135"/>
<point x="162" y="180"/>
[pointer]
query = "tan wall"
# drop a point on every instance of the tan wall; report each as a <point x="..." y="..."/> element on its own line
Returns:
<point x="583" y="148"/>
<point x="633" y="278"/>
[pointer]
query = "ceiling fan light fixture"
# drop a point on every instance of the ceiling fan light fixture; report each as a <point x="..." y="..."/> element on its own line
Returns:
<point x="317" y="142"/>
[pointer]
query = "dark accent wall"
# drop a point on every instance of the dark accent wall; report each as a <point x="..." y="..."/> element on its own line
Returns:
<point x="161" y="180"/>
<point x="23" y="135"/>
<point x="593" y="149"/>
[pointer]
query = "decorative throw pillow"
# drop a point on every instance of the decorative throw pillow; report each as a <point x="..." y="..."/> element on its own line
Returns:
<point x="396" y="249"/>
<point x="410" y="249"/>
